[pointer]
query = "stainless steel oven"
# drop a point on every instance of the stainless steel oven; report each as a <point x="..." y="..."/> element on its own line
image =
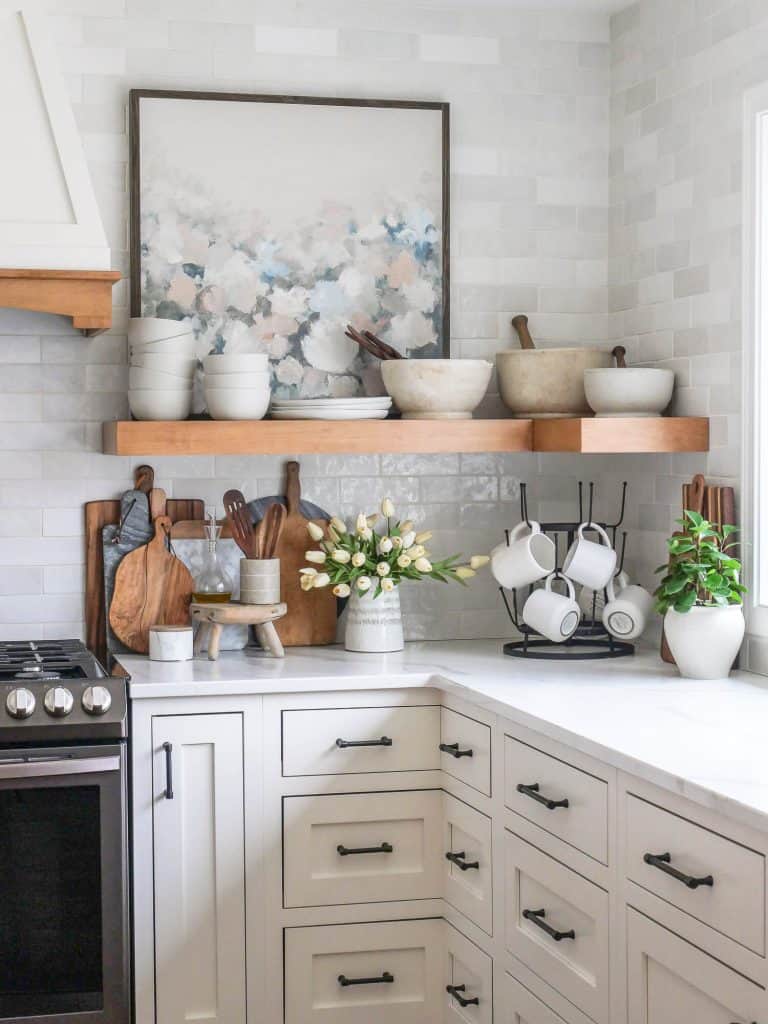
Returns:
<point x="64" y="913"/>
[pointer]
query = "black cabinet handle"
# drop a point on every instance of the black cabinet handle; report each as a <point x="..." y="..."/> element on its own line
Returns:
<point x="344" y="851"/>
<point x="533" y="792"/>
<point x="385" y="979"/>
<point x="537" y="917"/>
<point x="456" y="990"/>
<point x="385" y="741"/>
<point x="454" y="751"/>
<point x="458" y="860"/>
<point x="168" y="748"/>
<point x="662" y="862"/>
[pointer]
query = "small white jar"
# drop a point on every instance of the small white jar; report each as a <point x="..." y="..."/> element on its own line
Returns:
<point x="170" y="643"/>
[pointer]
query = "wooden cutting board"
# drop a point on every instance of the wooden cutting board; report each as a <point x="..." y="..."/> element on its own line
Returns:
<point x="98" y="514"/>
<point x="311" y="616"/>
<point x="152" y="587"/>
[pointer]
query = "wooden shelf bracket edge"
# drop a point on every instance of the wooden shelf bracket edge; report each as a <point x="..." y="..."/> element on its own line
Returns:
<point x="83" y="295"/>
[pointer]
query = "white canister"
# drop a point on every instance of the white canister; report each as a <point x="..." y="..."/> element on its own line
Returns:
<point x="170" y="643"/>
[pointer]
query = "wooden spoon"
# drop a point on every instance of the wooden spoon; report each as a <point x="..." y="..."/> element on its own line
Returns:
<point x="240" y="522"/>
<point x="272" y="526"/>
<point x="520" y="323"/>
<point x="387" y="350"/>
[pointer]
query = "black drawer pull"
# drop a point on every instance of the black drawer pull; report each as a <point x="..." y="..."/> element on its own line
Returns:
<point x="385" y="741"/>
<point x="168" y="748"/>
<point x="344" y="851"/>
<point x="662" y="862"/>
<point x="533" y="792"/>
<point x="456" y="990"/>
<point x="385" y="979"/>
<point x="458" y="860"/>
<point x="454" y="751"/>
<point x="537" y="917"/>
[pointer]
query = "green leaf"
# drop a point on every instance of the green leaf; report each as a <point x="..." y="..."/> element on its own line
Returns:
<point x="686" y="602"/>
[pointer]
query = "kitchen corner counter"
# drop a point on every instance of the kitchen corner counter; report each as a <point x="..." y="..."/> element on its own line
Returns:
<point x="701" y="739"/>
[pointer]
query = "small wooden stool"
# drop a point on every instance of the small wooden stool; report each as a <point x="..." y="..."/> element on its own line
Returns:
<point x="212" y="618"/>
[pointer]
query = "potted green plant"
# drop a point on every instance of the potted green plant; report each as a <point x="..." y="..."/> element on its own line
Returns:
<point x="700" y="597"/>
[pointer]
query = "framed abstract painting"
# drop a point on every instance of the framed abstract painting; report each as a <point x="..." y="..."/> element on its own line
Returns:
<point x="269" y="223"/>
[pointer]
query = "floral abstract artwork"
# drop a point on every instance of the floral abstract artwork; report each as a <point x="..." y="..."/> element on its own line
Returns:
<point x="270" y="224"/>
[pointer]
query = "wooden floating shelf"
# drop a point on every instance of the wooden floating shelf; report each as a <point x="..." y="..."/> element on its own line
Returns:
<point x="311" y="437"/>
<point x="83" y="295"/>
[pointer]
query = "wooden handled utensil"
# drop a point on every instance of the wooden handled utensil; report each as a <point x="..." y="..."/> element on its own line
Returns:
<point x="271" y="528"/>
<point x="520" y="323"/>
<point x="387" y="351"/>
<point x="240" y="522"/>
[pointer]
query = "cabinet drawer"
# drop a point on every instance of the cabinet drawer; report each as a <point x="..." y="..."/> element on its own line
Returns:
<point x="672" y="982"/>
<point x="469" y="977"/>
<point x="340" y="741"/>
<point x="465" y="747"/>
<point x="576" y="963"/>
<point x="319" y="960"/>
<point x="734" y="904"/>
<point x="523" y="1007"/>
<point x="469" y="888"/>
<point x="324" y="838"/>
<point x="582" y="822"/>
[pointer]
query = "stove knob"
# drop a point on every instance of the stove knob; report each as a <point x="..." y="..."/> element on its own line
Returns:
<point x="58" y="701"/>
<point x="97" y="700"/>
<point x="20" y="703"/>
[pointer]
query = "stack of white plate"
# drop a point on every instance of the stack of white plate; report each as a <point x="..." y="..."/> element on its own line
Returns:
<point x="331" y="408"/>
<point x="237" y="385"/>
<point x="162" y="368"/>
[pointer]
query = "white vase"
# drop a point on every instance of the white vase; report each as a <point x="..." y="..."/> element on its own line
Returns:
<point x="705" y="641"/>
<point x="374" y="624"/>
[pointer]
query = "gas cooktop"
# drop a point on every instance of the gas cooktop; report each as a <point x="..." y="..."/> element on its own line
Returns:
<point x="48" y="660"/>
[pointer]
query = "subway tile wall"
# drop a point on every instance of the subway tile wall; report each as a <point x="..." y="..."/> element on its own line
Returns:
<point x="529" y="94"/>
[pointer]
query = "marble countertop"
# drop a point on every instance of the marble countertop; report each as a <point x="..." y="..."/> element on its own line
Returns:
<point x="701" y="739"/>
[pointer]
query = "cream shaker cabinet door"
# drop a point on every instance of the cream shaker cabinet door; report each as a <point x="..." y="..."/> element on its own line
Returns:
<point x="199" y="868"/>
<point x="468" y="980"/>
<point x="467" y="862"/>
<point x="672" y="982"/>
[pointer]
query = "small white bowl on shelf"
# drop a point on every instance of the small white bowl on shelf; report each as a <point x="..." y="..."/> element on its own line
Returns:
<point x="629" y="391"/>
<point x="237" y="381"/>
<point x="151" y="404"/>
<point x="237" y="403"/>
<point x="436" y="389"/>
<point x="143" y="330"/>
<point x="183" y="346"/>
<point x="163" y="362"/>
<point x="140" y="378"/>
<point x="236" y="362"/>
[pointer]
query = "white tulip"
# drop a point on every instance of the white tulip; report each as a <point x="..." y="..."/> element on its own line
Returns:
<point x="387" y="508"/>
<point x="321" y="580"/>
<point x="417" y="551"/>
<point x="372" y="519"/>
<point x="308" y="571"/>
<point x="423" y="564"/>
<point x="315" y="531"/>
<point x="464" y="573"/>
<point x="341" y="556"/>
<point x="366" y="534"/>
<point x="358" y="559"/>
<point x="408" y="538"/>
<point x="341" y="590"/>
<point x="333" y="537"/>
<point x="361" y="523"/>
<point x="307" y="582"/>
<point x="478" y="561"/>
<point x="363" y="583"/>
<point x="318" y="557"/>
<point x="422" y="538"/>
<point x="387" y="584"/>
<point x="397" y="543"/>
<point x="404" y="561"/>
<point x="385" y="545"/>
<point x="339" y="525"/>
<point x="382" y="569"/>
<point x="406" y="526"/>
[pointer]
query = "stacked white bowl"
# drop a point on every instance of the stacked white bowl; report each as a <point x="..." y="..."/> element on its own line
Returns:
<point x="237" y="385"/>
<point x="162" y="368"/>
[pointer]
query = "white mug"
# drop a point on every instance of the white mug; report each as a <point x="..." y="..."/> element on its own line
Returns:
<point x="553" y="615"/>
<point x="529" y="556"/>
<point x="595" y="599"/>
<point x="626" y="615"/>
<point x="588" y="562"/>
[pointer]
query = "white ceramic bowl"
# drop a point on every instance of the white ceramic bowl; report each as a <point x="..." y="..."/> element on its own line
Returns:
<point x="140" y="378"/>
<point x="547" y="382"/>
<point x="236" y="381"/>
<point x="183" y="346"/>
<point x="145" y="329"/>
<point x="436" y="389"/>
<point x="147" y="404"/>
<point x="629" y="391"/>
<point x="242" y="362"/>
<point x="163" y="362"/>
<point x="237" y="404"/>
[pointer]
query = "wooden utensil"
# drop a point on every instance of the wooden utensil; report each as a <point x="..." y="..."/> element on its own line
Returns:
<point x="520" y="323"/>
<point x="311" y="616"/>
<point x="240" y="522"/>
<point x="152" y="587"/>
<point x="271" y="528"/>
<point x="387" y="350"/>
<point x="619" y="353"/>
<point x="370" y="343"/>
<point x="694" y="495"/>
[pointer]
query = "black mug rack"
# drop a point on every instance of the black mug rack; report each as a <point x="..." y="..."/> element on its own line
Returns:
<point x="591" y="639"/>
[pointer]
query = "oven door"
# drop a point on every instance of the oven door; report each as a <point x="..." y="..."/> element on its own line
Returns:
<point x="63" y="886"/>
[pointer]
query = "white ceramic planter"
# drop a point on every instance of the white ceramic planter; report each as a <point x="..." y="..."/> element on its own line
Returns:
<point x="705" y="641"/>
<point x="374" y="625"/>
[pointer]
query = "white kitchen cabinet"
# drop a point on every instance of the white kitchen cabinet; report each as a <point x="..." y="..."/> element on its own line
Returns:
<point x="468" y="862"/>
<point x="199" y="868"/>
<point x="672" y="982"/>
<point x="468" y="980"/>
